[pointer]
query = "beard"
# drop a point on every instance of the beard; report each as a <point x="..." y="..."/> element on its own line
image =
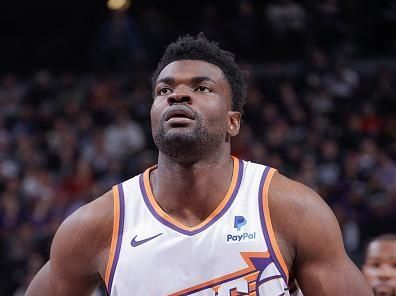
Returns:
<point x="187" y="144"/>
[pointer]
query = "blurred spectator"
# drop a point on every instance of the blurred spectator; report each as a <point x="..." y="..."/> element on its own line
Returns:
<point x="287" y="20"/>
<point x="245" y="30"/>
<point x="286" y="15"/>
<point x="330" y="29"/>
<point x="119" y="44"/>
<point x="211" y="23"/>
<point x="123" y="137"/>
<point x="342" y="82"/>
<point x="156" y="30"/>
<point x="379" y="267"/>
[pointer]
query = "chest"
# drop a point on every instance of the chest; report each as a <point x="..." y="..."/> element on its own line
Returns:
<point x="222" y="255"/>
<point x="230" y="252"/>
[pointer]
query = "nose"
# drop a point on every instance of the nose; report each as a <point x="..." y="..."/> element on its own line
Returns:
<point x="179" y="96"/>
<point x="385" y="273"/>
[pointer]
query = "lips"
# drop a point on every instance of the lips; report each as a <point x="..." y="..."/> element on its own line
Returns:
<point x="180" y="111"/>
<point x="383" y="289"/>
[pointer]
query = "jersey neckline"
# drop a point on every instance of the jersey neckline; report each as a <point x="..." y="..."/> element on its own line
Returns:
<point x="167" y="220"/>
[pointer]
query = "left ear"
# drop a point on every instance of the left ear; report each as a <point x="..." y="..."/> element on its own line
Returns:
<point x="234" y="123"/>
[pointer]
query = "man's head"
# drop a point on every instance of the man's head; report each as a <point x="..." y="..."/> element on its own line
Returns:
<point x="199" y="93"/>
<point x="380" y="265"/>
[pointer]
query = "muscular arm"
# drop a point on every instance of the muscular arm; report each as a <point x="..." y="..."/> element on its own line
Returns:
<point x="311" y="241"/>
<point x="77" y="252"/>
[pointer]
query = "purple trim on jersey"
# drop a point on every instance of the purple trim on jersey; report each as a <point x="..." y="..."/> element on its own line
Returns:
<point x="264" y="226"/>
<point x="192" y="232"/>
<point x="120" y="233"/>
<point x="270" y="278"/>
<point x="260" y="263"/>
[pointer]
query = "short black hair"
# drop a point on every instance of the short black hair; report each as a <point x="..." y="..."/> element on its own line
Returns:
<point x="384" y="237"/>
<point x="381" y="238"/>
<point x="200" y="48"/>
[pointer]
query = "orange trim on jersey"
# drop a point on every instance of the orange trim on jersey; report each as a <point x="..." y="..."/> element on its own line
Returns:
<point x="163" y="214"/>
<point x="114" y="238"/>
<point x="268" y="223"/>
<point x="251" y="277"/>
<point x="214" y="282"/>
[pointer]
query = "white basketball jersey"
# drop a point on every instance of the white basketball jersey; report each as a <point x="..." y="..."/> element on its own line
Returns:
<point x="232" y="252"/>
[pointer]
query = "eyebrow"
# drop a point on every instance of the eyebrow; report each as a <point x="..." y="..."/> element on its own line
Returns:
<point x="378" y="257"/>
<point x="166" y="80"/>
<point x="195" y="80"/>
<point x="199" y="79"/>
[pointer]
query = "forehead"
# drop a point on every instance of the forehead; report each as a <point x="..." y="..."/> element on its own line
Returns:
<point x="187" y="69"/>
<point x="382" y="249"/>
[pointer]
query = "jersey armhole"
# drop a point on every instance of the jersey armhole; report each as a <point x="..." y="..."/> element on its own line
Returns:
<point x="116" y="239"/>
<point x="269" y="234"/>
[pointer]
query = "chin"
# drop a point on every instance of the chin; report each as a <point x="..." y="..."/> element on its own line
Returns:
<point x="384" y="290"/>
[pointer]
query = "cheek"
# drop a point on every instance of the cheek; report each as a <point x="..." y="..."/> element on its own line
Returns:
<point x="216" y="114"/>
<point x="371" y="274"/>
<point x="155" y="115"/>
<point x="217" y="122"/>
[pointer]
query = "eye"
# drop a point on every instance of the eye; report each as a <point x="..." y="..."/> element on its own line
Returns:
<point x="375" y="264"/>
<point x="163" y="91"/>
<point x="203" y="89"/>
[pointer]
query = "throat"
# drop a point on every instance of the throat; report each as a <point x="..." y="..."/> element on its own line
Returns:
<point x="191" y="197"/>
<point x="190" y="217"/>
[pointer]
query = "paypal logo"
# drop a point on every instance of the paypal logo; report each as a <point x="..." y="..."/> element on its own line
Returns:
<point x="238" y="236"/>
<point x="239" y="221"/>
<point x="241" y="237"/>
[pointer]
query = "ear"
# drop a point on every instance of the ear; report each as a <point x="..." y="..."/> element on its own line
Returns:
<point x="234" y="123"/>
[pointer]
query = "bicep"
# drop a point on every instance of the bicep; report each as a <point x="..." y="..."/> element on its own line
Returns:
<point x="336" y="277"/>
<point x="49" y="282"/>
<point x="72" y="266"/>
<point x="312" y="241"/>
<point x="322" y="266"/>
<point x="41" y="284"/>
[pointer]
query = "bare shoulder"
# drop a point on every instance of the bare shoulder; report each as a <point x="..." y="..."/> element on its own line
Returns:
<point x="92" y="219"/>
<point x="310" y="240"/>
<point x="295" y="210"/>
<point x="297" y="202"/>
<point x="87" y="232"/>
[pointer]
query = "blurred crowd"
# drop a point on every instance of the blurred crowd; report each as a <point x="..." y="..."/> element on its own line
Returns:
<point x="44" y="35"/>
<point x="258" y="31"/>
<point x="327" y="121"/>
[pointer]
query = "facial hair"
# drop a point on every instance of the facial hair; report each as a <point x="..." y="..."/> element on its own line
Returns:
<point x="184" y="144"/>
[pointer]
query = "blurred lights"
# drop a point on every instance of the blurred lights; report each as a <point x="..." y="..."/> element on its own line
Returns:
<point x="118" y="4"/>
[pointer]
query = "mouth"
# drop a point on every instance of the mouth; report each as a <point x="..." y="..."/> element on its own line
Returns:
<point x="384" y="290"/>
<point x="179" y="112"/>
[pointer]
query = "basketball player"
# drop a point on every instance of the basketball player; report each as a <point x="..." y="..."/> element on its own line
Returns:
<point x="380" y="265"/>
<point x="201" y="222"/>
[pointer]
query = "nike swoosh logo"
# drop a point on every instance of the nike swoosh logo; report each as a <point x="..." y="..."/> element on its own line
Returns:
<point x="136" y="243"/>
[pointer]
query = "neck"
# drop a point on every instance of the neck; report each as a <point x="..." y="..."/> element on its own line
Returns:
<point x="190" y="191"/>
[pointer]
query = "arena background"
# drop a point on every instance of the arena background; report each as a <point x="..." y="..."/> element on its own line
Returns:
<point x="75" y="96"/>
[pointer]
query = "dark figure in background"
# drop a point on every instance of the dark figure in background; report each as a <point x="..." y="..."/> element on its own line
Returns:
<point x="119" y="46"/>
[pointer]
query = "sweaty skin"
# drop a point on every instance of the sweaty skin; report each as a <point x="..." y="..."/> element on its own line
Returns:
<point x="199" y="97"/>
<point x="380" y="267"/>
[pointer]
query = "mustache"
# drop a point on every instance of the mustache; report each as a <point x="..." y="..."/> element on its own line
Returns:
<point x="183" y="109"/>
